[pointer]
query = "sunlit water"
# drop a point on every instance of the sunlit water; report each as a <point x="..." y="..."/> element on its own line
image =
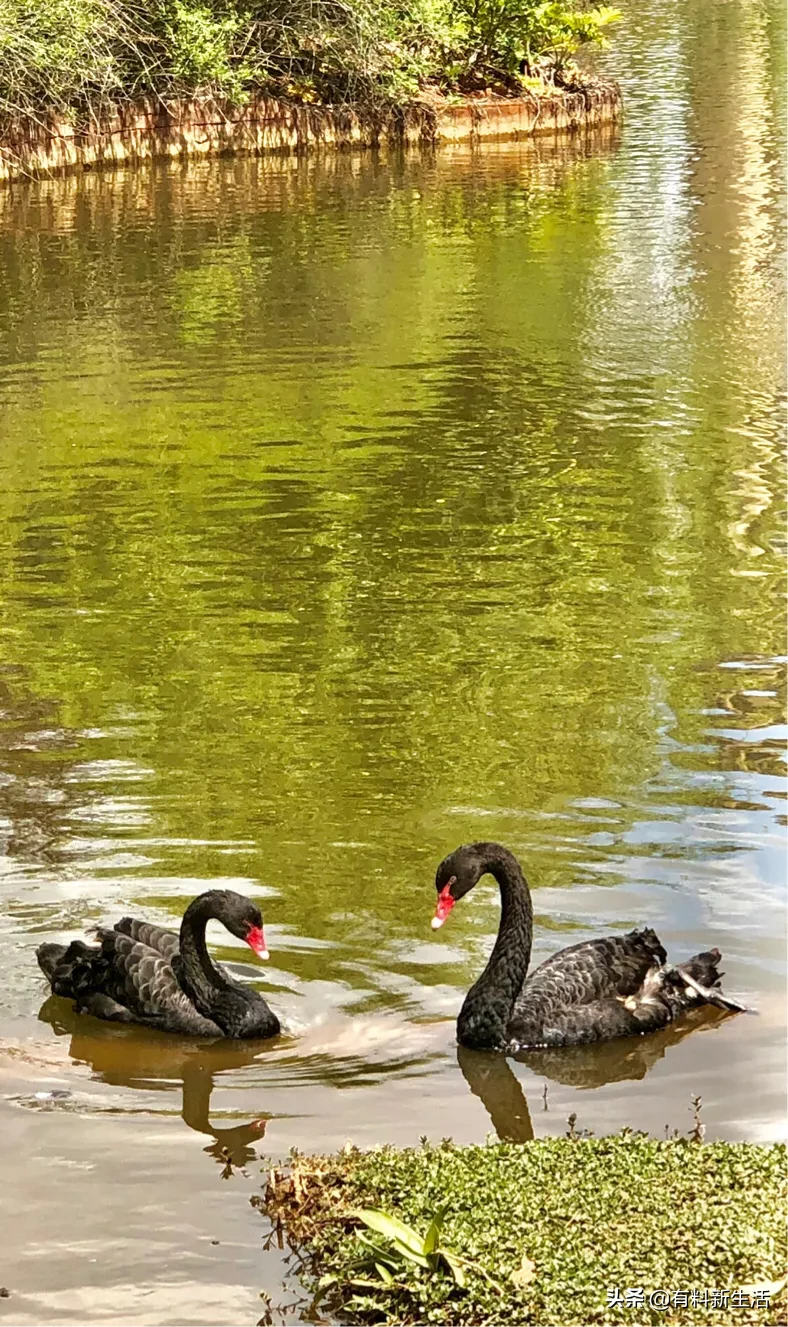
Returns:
<point x="351" y="511"/>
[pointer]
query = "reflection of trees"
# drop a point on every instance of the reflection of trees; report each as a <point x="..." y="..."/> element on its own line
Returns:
<point x="131" y="1057"/>
<point x="357" y="504"/>
<point x="36" y="757"/>
<point x="705" y="94"/>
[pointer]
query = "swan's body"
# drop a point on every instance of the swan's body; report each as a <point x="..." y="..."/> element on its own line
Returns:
<point x="139" y="973"/>
<point x="618" y="986"/>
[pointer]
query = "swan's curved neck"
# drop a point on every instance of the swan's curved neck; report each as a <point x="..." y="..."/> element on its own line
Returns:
<point x="203" y="977"/>
<point x="196" y="1108"/>
<point x="488" y="1006"/>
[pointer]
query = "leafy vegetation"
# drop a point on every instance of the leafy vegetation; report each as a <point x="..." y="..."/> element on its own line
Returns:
<point x="398" y="1244"/>
<point x="541" y="1233"/>
<point x="506" y="39"/>
<point x="75" y="56"/>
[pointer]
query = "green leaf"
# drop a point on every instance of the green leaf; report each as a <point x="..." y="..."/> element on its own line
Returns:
<point x="456" y="1269"/>
<point x="364" y="1302"/>
<point x="433" y="1234"/>
<point x="410" y="1255"/>
<point x="772" y="1288"/>
<point x="384" y="1273"/>
<point x="525" y="1273"/>
<point x="368" y="1243"/>
<point x="391" y="1227"/>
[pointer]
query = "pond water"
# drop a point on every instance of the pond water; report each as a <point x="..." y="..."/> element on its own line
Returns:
<point x="352" y="510"/>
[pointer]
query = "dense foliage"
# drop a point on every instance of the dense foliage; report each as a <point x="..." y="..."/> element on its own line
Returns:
<point x="547" y="1233"/>
<point x="76" y="55"/>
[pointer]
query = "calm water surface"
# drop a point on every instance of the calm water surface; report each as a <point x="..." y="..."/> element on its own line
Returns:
<point x="351" y="511"/>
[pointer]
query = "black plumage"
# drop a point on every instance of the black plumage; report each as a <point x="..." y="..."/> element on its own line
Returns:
<point x="617" y="986"/>
<point x="140" y="973"/>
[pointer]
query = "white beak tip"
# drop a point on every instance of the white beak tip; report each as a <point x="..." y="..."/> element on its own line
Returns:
<point x="437" y="923"/>
<point x="263" y="953"/>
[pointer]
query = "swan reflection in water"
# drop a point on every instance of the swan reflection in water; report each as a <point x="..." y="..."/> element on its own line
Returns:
<point x="491" y="1078"/>
<point x="132" y="1057"/>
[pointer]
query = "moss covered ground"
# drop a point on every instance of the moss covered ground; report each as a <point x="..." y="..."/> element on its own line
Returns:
<point x="555" y="1231"/>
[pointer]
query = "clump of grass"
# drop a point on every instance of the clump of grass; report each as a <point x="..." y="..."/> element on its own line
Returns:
<point x="542" y="1231"/>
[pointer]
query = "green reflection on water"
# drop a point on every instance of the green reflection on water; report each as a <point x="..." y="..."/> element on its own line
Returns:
<point x="364" y="506"/>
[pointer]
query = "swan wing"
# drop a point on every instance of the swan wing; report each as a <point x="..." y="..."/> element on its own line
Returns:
<point x="598" y="1020"/>
<point x="155" y="937"/>
<point x="166" y="943"/>
<point x="615" y="987"/>
<point x="604" y="969"/>
<point x="139" y="978"/>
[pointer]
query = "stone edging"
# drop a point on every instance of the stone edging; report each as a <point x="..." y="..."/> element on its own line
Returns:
<point x="202" y="128"/>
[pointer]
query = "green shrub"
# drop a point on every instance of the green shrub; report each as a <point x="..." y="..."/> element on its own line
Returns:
<point x="76" y="56"/>
<point x="200" y="45"/>
<point x="515" y="37"/>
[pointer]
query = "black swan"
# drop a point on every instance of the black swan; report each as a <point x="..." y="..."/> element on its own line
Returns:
<point x="139" y="973"/>
<point x="618" y="986"/>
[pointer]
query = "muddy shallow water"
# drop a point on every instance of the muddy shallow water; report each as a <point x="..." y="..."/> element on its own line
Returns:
<point x="352" y="510"/>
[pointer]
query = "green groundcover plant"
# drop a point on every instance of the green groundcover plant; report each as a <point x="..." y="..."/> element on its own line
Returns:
<point x="561" y="1231"/>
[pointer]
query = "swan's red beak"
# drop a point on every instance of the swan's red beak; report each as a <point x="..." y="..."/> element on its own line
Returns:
<point x="255" y="938"/>
<point x="444" y="906"/>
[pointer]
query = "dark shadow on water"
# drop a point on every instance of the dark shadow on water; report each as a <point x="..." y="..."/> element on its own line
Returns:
<point x="491" y="1078"/>
<point x="136" y="1058"/>
<point x="615" y="1061"/>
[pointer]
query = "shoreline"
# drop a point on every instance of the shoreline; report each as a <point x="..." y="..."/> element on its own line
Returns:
<point x="555" y="1231"/>
<point x="199" y="128"/>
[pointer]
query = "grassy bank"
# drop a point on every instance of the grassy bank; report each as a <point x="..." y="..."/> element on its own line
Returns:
<point x="78" y="58"/>
<point x="543" y="1233"/>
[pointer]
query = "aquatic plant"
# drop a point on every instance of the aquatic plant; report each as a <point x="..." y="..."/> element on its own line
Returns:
<point x="548" y="1232"/>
